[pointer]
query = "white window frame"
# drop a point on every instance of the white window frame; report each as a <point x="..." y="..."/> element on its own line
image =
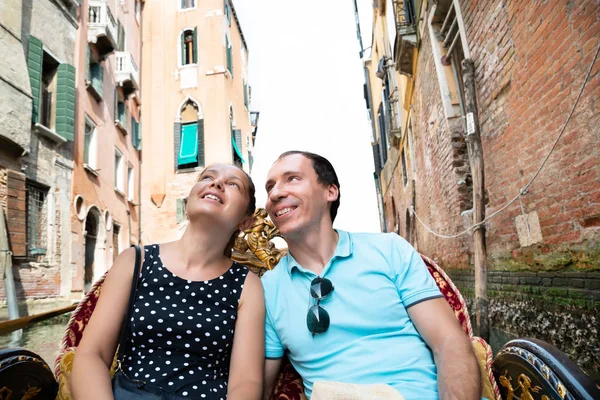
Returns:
<point x="130" y="182"/>
<point x="180" y="55"/>
<point x="119" y="173"/>
<point x="450" y="110"/>
<point x="93" y="150"/>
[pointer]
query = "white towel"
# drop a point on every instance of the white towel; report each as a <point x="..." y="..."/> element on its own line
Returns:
<point x="324" y="390"/>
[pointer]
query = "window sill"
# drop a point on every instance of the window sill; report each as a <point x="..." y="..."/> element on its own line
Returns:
<point x="189" y="170"/>
<point x="120" y="126"/>
<point x="92" y="90"/>
<point x="119" y="192"/>
<point x="186" y="9"/>
<point x="132" y="202"/>
<point x="90" y="169"/>
<point x="49" y="133"/>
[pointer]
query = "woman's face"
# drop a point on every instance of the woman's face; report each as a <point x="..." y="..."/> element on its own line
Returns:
<point x="222" y="194"/>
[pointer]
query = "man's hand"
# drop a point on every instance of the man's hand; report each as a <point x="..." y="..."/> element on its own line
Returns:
<point x="458" y="371"/>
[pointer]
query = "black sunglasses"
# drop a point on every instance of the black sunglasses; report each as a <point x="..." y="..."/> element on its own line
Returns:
<point x="317" y="319"/>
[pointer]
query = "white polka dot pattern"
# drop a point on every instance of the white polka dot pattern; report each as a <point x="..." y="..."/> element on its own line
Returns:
<point x="181" y="331"/>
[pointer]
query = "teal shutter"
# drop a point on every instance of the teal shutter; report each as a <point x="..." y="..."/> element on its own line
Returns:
<point x="97" y="75"/>
<point x="34" y="65"/>
<point x="236" y="141"/>
<point x="229" y="61"/>
<point x="188" y="150"/>
<point x="180" y="211"/>
<point x="65" y="101"/>
<point x="195" y="46"/>
<point x="201" y="142"/>
<point x="122" y="114"/>
<point x="227" y="12"/>
<point x="136" y="138"/>
<point x="116" y="105"/>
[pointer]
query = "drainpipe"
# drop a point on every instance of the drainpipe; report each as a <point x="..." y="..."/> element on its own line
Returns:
<point x="9" y="281"/>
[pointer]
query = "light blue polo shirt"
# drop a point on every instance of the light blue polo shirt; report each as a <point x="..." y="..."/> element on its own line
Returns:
<point x="371" y="338"/>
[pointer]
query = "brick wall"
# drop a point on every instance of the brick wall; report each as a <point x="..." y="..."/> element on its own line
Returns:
<point x="560" y="307"/>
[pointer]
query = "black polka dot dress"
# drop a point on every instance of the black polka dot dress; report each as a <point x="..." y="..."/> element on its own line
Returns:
<point x="181" y="331"/>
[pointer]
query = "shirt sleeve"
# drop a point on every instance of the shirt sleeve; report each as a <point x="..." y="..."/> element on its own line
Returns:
<point x="413" y="280"/>
<point x="273" y="346"/>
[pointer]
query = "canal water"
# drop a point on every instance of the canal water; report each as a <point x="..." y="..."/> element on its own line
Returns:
<point x="43" y="338"/>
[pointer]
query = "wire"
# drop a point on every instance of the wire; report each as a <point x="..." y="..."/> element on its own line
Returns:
<point x="525" y="188"/>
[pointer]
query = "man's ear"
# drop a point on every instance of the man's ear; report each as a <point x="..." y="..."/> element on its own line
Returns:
<point x="332" y="193"/>
<point x="246" y="223"/>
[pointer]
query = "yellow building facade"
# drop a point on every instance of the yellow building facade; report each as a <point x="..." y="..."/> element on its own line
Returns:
<point x="195" y="104"/>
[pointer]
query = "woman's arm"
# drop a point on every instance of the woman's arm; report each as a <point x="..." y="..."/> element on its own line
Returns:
<point x="96" y="352"/>
<point x="248" y="353"/>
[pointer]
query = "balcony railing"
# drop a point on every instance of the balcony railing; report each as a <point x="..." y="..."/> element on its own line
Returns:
<point x="406" y="35"/>
<point x="102" y="28"/>
<point x="127" y="74"/>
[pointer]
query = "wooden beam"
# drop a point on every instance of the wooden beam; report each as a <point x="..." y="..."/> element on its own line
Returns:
<point x="24" y="322"/>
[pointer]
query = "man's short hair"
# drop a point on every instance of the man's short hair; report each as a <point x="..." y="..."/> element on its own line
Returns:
<point x="325" y="175"/>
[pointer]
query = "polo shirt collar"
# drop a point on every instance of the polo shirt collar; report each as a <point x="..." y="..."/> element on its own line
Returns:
<point x="343" y="249"/>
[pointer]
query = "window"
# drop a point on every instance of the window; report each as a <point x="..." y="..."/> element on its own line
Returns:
<point x="136" y="136"/>
<point x="138" y="14"/>
<point x="445" y="25"/>
<point x="227" y="8"/>
<point x="37" y="222"/>
<point x="246" y="95"/>
<point x="120" y="113"/>
<point x="189" y="137"/>
<point x="404" y="174"/>
<point x="116" y="231"/>
<point x="53" y="92"/>
<point x="119" y="172"/>
<point x="121" y="42"/>
<point x="90" y="151"/>
<point x="236" y="142"/>
<point x="180" y="214"/>
<point x="94" y="75"/>
<point x="130" y="183"/>
<point x="189" y="51"/>
<point x="185" y="4"/>
<point x="383" y="141"/>
<point x="229" y="55"/>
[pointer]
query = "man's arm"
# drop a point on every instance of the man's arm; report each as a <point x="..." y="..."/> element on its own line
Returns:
<point x="272" y="367"/>
<point x="458" y="371"/>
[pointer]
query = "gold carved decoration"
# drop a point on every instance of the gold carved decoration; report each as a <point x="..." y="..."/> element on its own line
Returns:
<point x="5" y="393"/>
<point x="254" y="248"/>
<point x="28" y="394"/>
<point x="524" y="383"/>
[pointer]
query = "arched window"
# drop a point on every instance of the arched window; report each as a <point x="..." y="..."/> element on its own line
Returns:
<point x="189" y="46"/>
<point x="189" y="136"/>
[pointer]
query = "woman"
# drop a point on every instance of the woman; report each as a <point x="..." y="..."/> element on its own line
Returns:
<point x="190" y="299"/>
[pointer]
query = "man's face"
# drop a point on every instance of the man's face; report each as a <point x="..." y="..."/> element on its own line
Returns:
<point x="296" y="201"/>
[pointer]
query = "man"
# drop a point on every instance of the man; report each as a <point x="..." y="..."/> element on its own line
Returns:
<point x="356" y="308"/>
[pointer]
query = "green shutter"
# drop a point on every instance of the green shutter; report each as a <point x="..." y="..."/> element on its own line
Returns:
<point x="122" y="114"/>
<point x="229" y="61"/>
<point x="136" y="138"/>
<point x="97" y="75"/>
<point x="236" y="141"/>
<point x="34" y="65"/>
<point x="228" y="12"/>
<point x="180" y="211"/>
<point x="246" y="95"/>
<point x="182" y="40"/>
<point x="116" y="108"/>
<point x="188" y="150"/>
<point x="65" y="101"/>
<point x="195" y="46"/>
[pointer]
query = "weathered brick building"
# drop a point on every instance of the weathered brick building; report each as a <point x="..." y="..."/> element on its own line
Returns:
<point x="531" y="59"/>
<point x="37" y="92"/>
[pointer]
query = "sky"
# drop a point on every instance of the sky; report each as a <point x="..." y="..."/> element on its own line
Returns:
<point x="307" y="83"/>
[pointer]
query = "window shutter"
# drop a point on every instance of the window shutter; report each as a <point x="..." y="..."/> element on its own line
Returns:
<point x="236" y="139"/>
<point x="182" y="45"/>
<point x="136" y="138"/>
<point x="183" y="4"/>
<point x="97" y="73"/>
<point x="195" y="46"/>
<point x="376" y="158"/>
<point x="176" y="141"/>
<point x="246" y="95"/>
<point x="122" y="114"/>
<point x="116" y="105"/>
<point x="229" y="61"/>
<point x="34" y="65"/>
<point x="188" y="152"/>
<point x="180" y="211"/>
<point x="201" y="142"/>
<point x="65" y="101"/>
<point x="87" y="64"/>
<point x="121" y="36"/>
